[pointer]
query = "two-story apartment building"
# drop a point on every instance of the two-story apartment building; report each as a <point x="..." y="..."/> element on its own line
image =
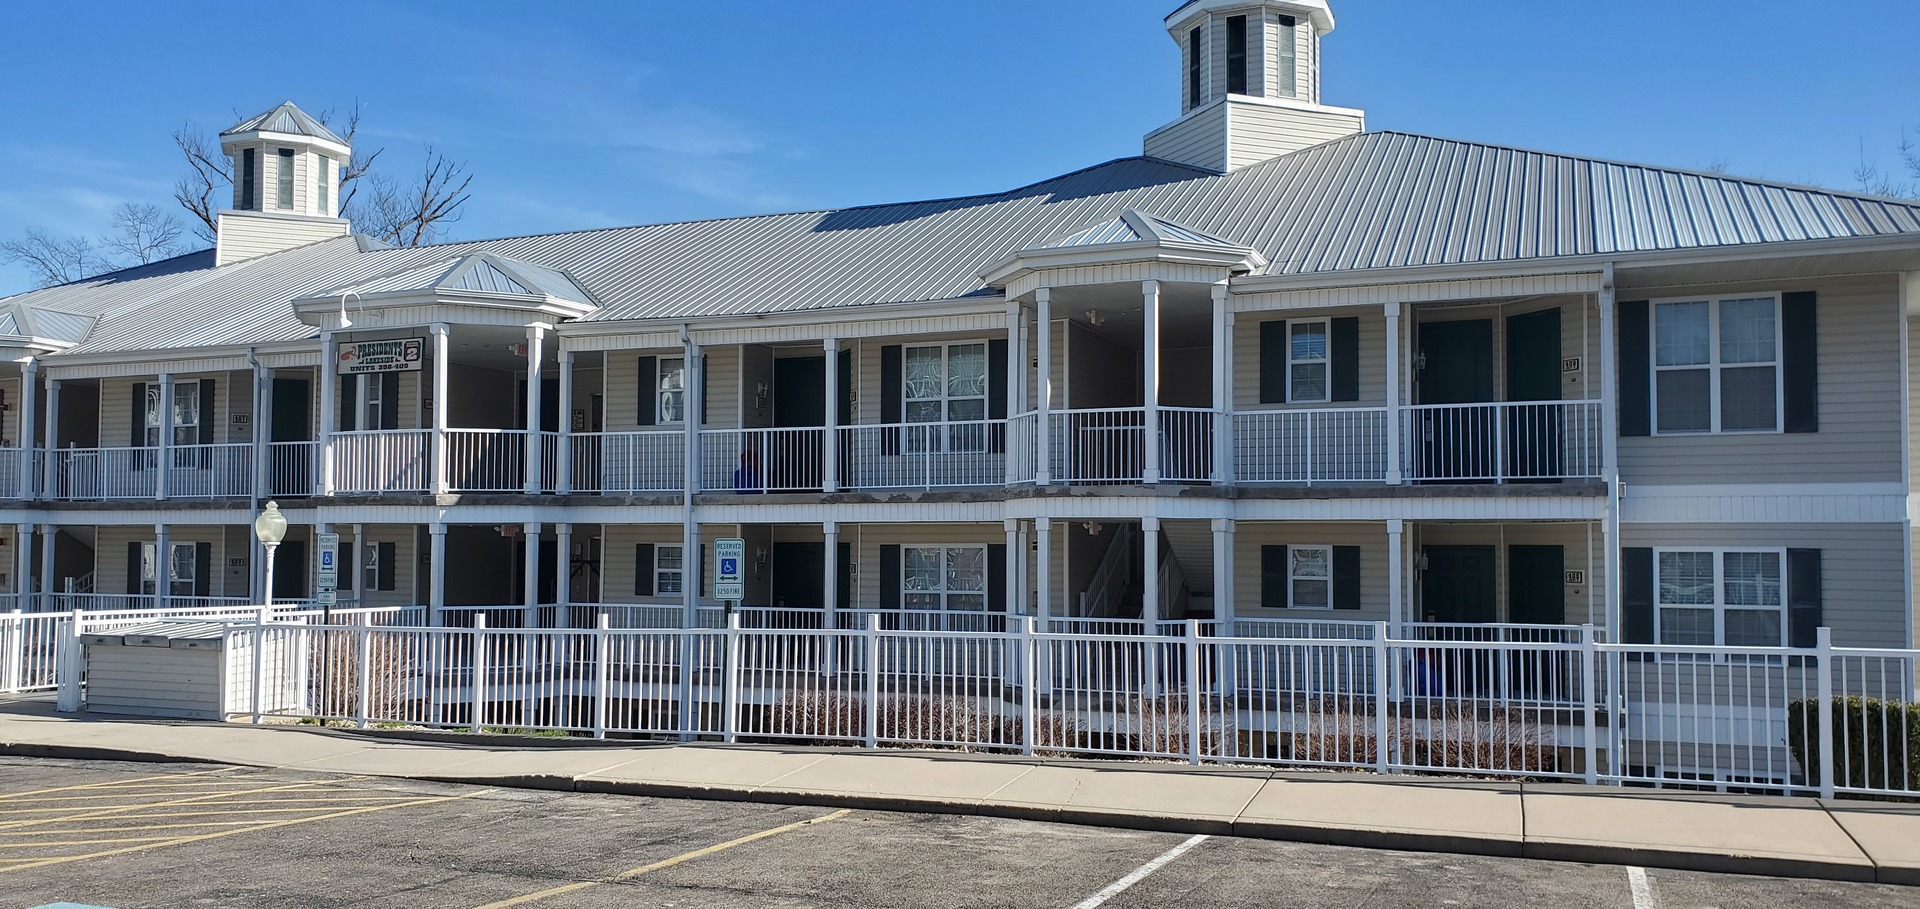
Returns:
<point x="1276" y="368"/>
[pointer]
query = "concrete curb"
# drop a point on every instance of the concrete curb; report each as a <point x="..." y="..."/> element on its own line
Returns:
<point x="1353" y="837"/>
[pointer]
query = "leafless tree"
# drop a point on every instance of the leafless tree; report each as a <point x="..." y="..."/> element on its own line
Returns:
<point x="141" y="234"/>
<point x="1902" y="180"/>
<point x="404" y="215"/>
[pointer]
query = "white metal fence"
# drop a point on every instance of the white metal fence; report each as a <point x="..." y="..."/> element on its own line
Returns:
<point x="1532" y="702"/>
<point x="1541" y="440"/>
<point x="382" y="460"/>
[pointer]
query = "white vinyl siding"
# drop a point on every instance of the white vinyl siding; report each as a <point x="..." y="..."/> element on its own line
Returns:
<point x="1250" y="536"/>
<point x="246" y="235"/>
<point x="1199" y="139"/>
<point x="1262" y="131"/>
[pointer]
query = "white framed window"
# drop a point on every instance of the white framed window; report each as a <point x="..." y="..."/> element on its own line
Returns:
<point x="373" y="401"/>
<point x="1307" y="359"/>
<point x="284" y="198"/>
<point x="669" y="567"/>
<point x="186" y="414"/>
<point x="370" y="566"/>
<point x="944" y="578"/>
<point x="323" y="168"/>
<point x="1720" y="597"/>
<point x="1716" y="365"/>
<point x="182" y="569"/>
<point x="1310" y="577"/>
<point x="671" y="385"/>
<point x="946" y="384"/>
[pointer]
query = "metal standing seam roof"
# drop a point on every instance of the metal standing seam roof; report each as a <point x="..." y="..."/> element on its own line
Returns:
<point x="285" y="117"/>
<point x="1368" y="201"/>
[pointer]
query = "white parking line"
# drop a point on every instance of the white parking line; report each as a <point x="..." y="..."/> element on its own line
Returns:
<point x="1642" y="887"/>
<point x="1139" y="874"/>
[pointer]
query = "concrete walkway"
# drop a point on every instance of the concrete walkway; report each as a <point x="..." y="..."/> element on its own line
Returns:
<point x="1797" y="837"/>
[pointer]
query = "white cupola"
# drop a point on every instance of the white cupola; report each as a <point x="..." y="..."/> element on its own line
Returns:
<point x="286" y="184"/>
<point x="1249" y="83"/>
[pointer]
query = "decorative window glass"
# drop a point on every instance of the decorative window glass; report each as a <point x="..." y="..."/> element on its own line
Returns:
<point x="1732" y="598"/>
<point x="1310" y="577"/>
<point x="370" y="565"/>
<point x="186" y="414"/>
<point x="182" y="569"/>
<point x="672" y="385"/>
<point x="947" y="384"/>
<point x="1717" y="365"/>
<point x="944" y="578"/>
<point x="668" y="567"/>
<point x="285" y="160"/>
<point x="1307" y="361"/>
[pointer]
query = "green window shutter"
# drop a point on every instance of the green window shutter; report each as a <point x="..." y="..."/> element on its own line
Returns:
<point x="889" y="577"/>
<point x="843" y="597"/>
<point x="1636" y="371"/>
<point x="643" y="569"/>
<point x="350" y="566"/>
<point x="997" y="568"/>
<point x="349" y="398"/>
<point x="705" y="387"/>
<point x="208" y="414"/>
<point x="1275" y="590"/>
<point x="649" y="392"/>
<point x="1273" y="362"/>
<point x="1800" y="361"/>
<point x="389" y="400"/>
<point x="1344" y="359"/>
<point x="1805" y="613"/>
<point x="996" y="394"/>
<point x="137" y="436"/>
<point x="892" y="395"/>
<point x="203" y="569"/>
<point x="1636" y="596"/>
<point x="387" y="553"/>
<point x="133" y="567"/>
<point x="1346" y="577"/>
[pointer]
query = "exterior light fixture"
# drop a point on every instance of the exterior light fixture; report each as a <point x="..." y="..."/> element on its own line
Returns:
<point x="270" y="528"/>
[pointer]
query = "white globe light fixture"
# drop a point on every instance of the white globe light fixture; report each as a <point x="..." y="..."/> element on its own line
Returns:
<point x="270" y="528"/>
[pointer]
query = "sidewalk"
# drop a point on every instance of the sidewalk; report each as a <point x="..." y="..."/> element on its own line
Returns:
<point x="1794" y="837"/>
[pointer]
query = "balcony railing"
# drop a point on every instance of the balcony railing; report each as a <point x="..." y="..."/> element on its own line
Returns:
<point x="486" y="460"/>
<point x="383" y="460"/>
<point x="1499" y="442"/>
<point x="1343" y="445"/>
<point x="925" y="455"/>
<point x="191" y="472"/>
<point x="762" y="460"/>
<point x="292" y="468"/>
<point x="630" y="463"/>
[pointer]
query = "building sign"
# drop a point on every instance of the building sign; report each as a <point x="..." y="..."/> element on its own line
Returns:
<point x="727" y="582"/>
<point x="394" y="355"/>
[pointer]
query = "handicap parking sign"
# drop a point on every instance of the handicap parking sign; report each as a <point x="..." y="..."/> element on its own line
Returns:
<point x="727" y="582"/>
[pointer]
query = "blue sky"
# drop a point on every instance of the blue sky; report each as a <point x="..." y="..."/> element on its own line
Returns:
<point x="582" y="115"/>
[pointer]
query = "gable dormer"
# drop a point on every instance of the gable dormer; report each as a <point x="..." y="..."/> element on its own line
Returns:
<point x="1249" y="83"/>
<point x="286" y="184"/>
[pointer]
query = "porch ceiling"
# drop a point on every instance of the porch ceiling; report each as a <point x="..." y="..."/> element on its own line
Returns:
<point x="1186" y="312"/>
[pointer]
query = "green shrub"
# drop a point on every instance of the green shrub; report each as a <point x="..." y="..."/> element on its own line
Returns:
<point x="1879" y="742"/>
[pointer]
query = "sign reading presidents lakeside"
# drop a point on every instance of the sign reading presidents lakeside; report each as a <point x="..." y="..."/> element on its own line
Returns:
<point x="394" y="355"/>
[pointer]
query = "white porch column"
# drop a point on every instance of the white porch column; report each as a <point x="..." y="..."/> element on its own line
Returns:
<point x="1225" y="609"/>
<point x="162" y="566"/>
<point x="353" y="560"/>
<point x="1043" y="352"/>
<point x="436" y="574"/>
<point x="1023" y="565"/>
<point x="563" y="479"/>
<point x="830" y="591"/>
<point x="329" y="411"/>
<point x="1150" y="574"/>
<point x="49" y="534"/>
<point x="51" y="442"/>
<point x="1016" y="389"/>
<point x="1222" y="386"/>
<point x="262" y="433"/>
<point x="530" y="571"/>
<point x="1043" y="571"/>
<point x="1610" y="450"/>
<point x="830" y="445"/>
<point x="29" y="396"/>
<point x="693" y="375"/>
<point x="562" y="567"/>
<point x="163" y="459"/>
<point x="1395" y="424"/>
<point x="1012" y="572"/>
<point x="442" y="478"/>
<point x="691" y="570"/>
<point x="1150" y="373"/>
<point x="1396" y="577"/>
<point x="22" y="564"/>
<point x="536" y="333"/>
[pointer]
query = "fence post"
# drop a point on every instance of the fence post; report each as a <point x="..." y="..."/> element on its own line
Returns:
<point x="730" y="694"/>
<point x="1589" y="664"/>
<point x="13" y="651"/>
<point x="601" y="640"/>
<point x="1382" y="741"/>
<point x="260" y="661"/>
<point x="1029" y="677"/>
<point x="69" y="656"/>
<point x="872" y="636"/>
<point x="1823" y="664"/>
<point x="689" y="718"/>
<point x="479" y="686"/>
<point x="1191" y="654"/>
<point x="364" y="689"/>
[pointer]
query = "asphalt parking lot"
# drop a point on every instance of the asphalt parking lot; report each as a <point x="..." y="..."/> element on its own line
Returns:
<point x="158" y="836"/>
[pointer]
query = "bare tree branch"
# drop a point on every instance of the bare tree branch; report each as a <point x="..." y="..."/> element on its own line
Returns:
<point x="143" y="233"/>
<point x="53" y="260"/>
<point x="1879" y="182"/>
<point x="209" y="172"/>
<point x="415" y="215"/>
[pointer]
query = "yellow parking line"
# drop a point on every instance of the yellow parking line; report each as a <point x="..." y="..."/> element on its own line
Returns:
<point x="663" y="863"/>
<point x="124" y="809"/>
<point x="201" y="837"/>
<point x="120" y="839"/>
<point x="138" y="779"/>
<point x="356" y="798"/>
<point x="127" y="829"/>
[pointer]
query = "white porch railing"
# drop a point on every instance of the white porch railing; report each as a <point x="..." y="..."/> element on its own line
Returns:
<point x="1186" y="444"/>
<point x="10" y="472"/>
<point x="382" y="460"/>
<point x="1337" y="445"/>
<point x="1098" y="446"/>
<point x="1498" y="442"/>
<point x="292" y="468"/>
<point x="924" y="455"/>
<point x="105" y="473"/>
<point x="630" y="463"/>
<point x="761" y="460"/>
<point x="487" y="460"/>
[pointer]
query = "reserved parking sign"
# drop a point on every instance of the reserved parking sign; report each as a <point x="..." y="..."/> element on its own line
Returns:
<point x="728" y="584"/>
